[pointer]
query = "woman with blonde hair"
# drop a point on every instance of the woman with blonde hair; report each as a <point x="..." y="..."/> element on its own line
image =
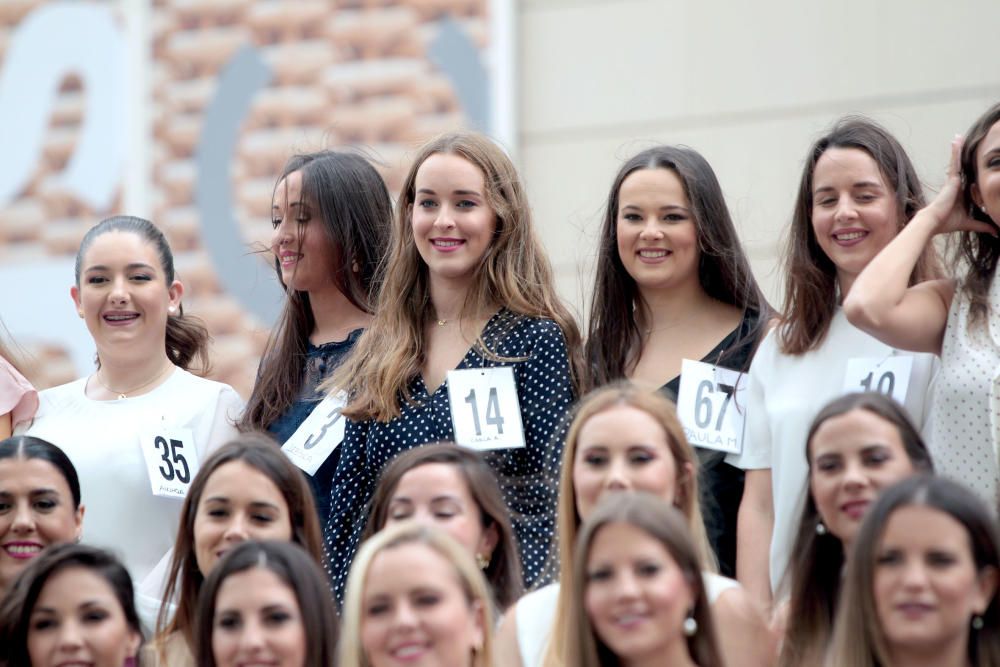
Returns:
<point x="469" y="343"/>
<point x="625" y="438"/>
<point x="450" y="622"/>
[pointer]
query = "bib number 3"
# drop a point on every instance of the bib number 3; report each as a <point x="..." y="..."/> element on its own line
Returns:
<point x="711" y="406"/>
<point x="485" y="411"/>
<point x="171" y="461"/>
<point x="318" y="435"/>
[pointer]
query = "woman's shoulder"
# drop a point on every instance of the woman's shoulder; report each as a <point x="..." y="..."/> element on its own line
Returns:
<point x="190" y="388"/>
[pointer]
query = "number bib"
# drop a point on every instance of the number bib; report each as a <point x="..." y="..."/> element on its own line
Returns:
<point x="887" y="375"/>
<point x="712" y="405"/>
<point x="316" y="437"/>
<point x="171" y="460"/>
<point x="485" y="411"/>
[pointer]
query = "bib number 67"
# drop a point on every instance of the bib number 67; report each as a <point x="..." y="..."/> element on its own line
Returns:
<point x="704" y="406"/>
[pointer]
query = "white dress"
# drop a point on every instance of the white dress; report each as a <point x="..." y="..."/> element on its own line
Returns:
<point x="535" y="613"/>
<point x="101" y="438"/>
<point x="966" y="413"/>
<point x="784" y="395"/>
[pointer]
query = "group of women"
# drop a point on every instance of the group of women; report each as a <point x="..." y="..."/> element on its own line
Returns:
<point x="240" y="530"/>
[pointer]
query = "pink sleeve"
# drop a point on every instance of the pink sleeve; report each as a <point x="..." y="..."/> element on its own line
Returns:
<point x="17" y="396"/>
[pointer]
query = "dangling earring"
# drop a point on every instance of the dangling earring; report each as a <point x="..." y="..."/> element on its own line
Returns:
<point x="977" y="622"/>
<point x="690" y="626"/>
<point x="820" y="527"/>
<point x="482" y="560"/>
<point x="171" y="310"/>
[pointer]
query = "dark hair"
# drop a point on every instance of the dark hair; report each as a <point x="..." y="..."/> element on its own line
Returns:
<point x="810" y="276"/>
<point x="859" y="631"/>
<point x="664" y="523"/>
<point x="504" y="571"/>
<point x="184" y="579"/>
<point x="20" y="600"/>
<point x="818" y="560"/>
<point x="296" y="569"/>
<point x="978" y="251"/>
<point x="25" y="447"/>
<point x="355" y="214"/>
<point x="187" y="337"/>
<point x="614" y="342"/>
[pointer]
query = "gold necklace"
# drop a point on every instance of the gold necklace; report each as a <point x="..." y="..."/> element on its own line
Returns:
<point x="441" y="323"/>
<point x="124" y="394"/>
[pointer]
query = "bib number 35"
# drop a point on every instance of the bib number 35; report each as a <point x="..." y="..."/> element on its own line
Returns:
<point x="171" y="460"/>
<point x="485" y="411"/>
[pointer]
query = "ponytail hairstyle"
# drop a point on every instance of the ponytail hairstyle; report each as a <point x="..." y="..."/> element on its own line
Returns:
<point x="187" y="338"/>
<point x="811" y="292"/>
<point x="351" y="205"/>
<point x="614" y="340"/>
<point x="514" y="274"/>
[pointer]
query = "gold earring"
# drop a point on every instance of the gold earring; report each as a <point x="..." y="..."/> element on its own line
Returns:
<point x="482" y="560"/>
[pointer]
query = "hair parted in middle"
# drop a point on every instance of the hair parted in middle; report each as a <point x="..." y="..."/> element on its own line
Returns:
<point x="184" y="578"/>
<point x="614" y="340"/>
<point x="664" y="523"/>
<point x="811" y="291"/>
<point x="813" y="578"/>
<point x="504" y="571"/>
<point x="470" y="578"/>
<point x="568" y="519"/>
<point x="515" y="274"/>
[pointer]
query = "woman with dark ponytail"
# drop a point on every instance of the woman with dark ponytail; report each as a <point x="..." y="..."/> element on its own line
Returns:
<point x="137" y="427"/>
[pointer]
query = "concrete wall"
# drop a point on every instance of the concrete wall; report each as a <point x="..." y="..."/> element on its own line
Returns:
<point x="749" y="85"/>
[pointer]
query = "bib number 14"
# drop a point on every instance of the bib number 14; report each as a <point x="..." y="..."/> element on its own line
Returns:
<point x="485" y="411"/>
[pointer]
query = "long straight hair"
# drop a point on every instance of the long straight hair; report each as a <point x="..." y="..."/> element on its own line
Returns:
<point x="515" y="274"/>
<point x="859" y="639"/>
<point x="353" y="209"/>
<point x="568" y="520"/>
<point x="811" y="292"/>
<point x="614" y="340"/>
<point x="817" y="561"/>
<point x="662" y="522"/>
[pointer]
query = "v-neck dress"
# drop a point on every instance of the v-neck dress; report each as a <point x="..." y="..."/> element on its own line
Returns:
<point x="536" y="350"/>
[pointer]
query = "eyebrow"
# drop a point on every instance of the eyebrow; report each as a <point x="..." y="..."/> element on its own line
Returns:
<point x="428" y="191"/>
<point x="665" y="207"/>
<point x="128" y="267"/>
<point x="256" y="503"/>
<point x="859" y="184"/>
<point x="293" y="204"/>
<point x="34" y="492"/>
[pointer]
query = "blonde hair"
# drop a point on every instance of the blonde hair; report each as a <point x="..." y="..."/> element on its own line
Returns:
<point x="410" y="532"/>
<point x="568" y="520"/>
<point x="514" y="273"/>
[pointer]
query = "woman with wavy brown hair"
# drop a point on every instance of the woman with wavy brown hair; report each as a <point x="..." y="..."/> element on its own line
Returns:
<point x="858" y="190"/>
<point x="467" y="297"/>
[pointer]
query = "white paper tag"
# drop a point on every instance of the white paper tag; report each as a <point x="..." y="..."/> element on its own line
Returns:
<point x="316" y="437"/>
<point x="171" y="460"/>
<point x="485" y="411"/>
<point x="712" y="406"/>
<point x="888" y="375"/>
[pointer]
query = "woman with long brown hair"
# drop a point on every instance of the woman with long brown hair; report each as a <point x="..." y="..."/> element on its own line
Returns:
<point x="858" y="190"/>
<point x="469" y="343"/>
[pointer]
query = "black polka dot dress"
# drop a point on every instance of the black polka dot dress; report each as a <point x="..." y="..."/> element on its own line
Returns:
<point x="536" y="350"/>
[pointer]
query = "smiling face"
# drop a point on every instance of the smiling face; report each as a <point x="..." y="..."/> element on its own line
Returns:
<point x="854" y="212"/>
<point x="415" y="611"/>
<point x="636" y="595"/>
<point x="657" y="236"/>
<point x="926" y="587"/>
<point x="77" y="620"/>
<point x="123" y="295"/>
<point x="306" y="258"/>
<point x="238" y="503"/>
<point x="452" y="221"/>
<point x="36" y="510"/>
<point x="257" y="622"/>
<point x="853" y="457"/>
<point x="436" y="494"/>
<point x="986" y="190"/>
<point x="622" y="449"/>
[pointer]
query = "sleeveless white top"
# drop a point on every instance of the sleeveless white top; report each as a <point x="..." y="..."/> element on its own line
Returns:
<point x="535" y="613"/>
<point x="966" y="408"/>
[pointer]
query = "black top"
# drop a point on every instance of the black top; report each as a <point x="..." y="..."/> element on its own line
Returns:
<point x="721" y="484"/>
<point x="536" y="350"/>
<point x="320" y="363"/>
